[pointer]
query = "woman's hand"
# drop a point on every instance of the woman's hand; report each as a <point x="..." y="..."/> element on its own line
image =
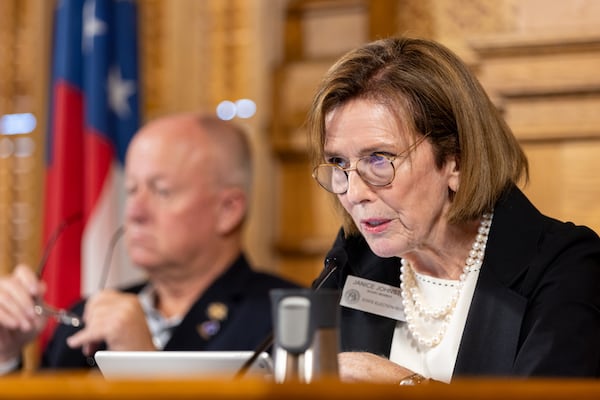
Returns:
<point x="368" y="367"/>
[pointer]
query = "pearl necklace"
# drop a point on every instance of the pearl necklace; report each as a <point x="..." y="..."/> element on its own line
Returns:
<point x="412" y="300"/>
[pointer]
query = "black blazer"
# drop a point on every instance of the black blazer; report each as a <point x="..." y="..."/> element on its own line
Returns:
<point x="244" y="292"/>
<point x="536" y="306"/>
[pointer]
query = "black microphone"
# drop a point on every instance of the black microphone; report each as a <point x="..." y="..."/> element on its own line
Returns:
<point x="335" y="259"/>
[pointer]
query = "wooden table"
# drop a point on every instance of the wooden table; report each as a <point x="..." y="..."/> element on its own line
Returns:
<point x="77" y="385"/>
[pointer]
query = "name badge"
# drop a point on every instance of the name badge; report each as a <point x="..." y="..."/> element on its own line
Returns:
<point x="373" y="297"/>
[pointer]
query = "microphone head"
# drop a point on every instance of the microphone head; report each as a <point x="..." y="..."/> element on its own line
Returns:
<point x="334" y="260"/>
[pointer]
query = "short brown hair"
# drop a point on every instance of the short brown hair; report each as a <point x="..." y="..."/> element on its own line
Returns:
<point x="431" y="92"/>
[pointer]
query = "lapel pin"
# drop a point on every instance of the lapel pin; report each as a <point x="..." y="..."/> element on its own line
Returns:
<point x="217" y="311"/>
<point x="208" y="329"/>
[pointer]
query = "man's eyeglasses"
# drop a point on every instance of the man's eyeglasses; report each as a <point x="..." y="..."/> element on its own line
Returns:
<point x="61" y="315"/>
<point x="41" y="308"/>
<point x="376" y="169"/>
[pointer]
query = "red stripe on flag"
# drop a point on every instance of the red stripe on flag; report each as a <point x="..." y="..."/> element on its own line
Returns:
<point x="64" y="199"/>
<point x="74" y="181"/>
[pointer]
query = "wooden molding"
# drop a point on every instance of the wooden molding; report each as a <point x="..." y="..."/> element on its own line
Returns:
<point x="517" y="44"/>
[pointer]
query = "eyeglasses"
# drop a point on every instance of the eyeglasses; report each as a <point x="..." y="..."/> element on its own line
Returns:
<point x="61" y="315"/>
<point x="41" y="308"/>
<point x="376" y="170"/>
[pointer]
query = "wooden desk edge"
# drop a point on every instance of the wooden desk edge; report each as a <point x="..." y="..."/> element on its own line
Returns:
<point x="75" y="385"/>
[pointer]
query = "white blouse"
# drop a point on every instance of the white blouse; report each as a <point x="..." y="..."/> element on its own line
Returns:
<point x="436" y="362"/>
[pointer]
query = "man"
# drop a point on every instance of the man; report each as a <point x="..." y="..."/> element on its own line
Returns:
<point x="188" y="180"/>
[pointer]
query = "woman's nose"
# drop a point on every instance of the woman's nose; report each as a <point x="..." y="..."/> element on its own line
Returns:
<point x="358" y="190"/>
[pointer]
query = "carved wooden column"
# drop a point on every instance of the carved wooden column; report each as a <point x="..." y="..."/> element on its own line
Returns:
<point x="24" y="68"/>
<point x="7" y="10"/>
<point x="24" y="39"/>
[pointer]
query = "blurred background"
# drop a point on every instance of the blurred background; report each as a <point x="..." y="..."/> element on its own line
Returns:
<point x="538" y="59"/>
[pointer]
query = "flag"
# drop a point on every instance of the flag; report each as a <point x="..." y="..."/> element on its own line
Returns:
<point x="94" y="112"/>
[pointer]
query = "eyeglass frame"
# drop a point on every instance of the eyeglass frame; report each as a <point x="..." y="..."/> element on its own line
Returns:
<point x="390" y="159"/>
<point x="62" y="315"/>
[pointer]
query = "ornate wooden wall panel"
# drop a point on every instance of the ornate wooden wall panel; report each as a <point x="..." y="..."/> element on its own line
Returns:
<point x="549" y="90"/>
<point x="564" y="179"/>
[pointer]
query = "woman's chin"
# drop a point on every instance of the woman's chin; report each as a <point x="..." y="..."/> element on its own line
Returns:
<point x="383" y="250"/>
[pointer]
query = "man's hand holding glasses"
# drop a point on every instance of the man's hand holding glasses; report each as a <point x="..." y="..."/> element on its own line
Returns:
<point x="19" y="323"/>
<point x="23" y="312"/>
<point x="115" y="318"/>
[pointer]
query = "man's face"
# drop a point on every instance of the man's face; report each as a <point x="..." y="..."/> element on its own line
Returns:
<point x="172" y="197"/>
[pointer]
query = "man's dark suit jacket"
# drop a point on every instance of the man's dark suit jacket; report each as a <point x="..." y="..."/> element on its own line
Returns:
<point x="536" y="306"/>
<point x="244" y="292"/>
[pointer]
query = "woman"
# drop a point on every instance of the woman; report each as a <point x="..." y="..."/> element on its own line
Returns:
<point x="426" y="171"/>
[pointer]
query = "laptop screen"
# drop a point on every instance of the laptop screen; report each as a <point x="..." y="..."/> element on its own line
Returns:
<point x="179" y="364"/>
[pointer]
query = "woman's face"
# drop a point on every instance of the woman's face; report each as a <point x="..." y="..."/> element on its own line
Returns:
<point x="408" y="214"/>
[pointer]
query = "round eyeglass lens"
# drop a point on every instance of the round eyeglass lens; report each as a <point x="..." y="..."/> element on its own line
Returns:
<point x="376" y="170"/>
<point x="332" y="178"/>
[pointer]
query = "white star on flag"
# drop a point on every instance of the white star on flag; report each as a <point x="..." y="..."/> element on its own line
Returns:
<point x="92" y="26"/>
<point x="119" y="91"/>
